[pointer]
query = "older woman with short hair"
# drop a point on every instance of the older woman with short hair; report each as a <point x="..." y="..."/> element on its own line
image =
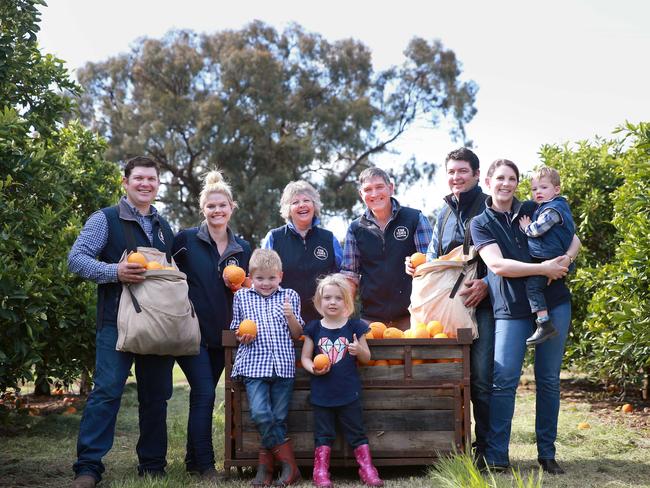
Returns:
<point x="307" y="250"/>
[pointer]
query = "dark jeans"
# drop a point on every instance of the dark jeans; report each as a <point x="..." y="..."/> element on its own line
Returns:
<point x="535" y="286"/>
<point x="269" y="399"/>
<point x="202" y="372"/>
<point x="154" y="382"/>
<point x="482" y="366"/>
<point x="350" y="417"/>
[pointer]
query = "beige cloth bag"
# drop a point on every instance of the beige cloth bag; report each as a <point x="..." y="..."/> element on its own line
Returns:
<point x="435" y="291"/>
<point x="156" y="315"/>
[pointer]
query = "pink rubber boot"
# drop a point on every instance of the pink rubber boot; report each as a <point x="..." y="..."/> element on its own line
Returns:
<point x="367" y="472"/>
<point x="322" y="467"/>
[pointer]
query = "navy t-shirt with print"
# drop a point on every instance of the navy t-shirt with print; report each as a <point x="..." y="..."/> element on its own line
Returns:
<point x="342" y="384"/>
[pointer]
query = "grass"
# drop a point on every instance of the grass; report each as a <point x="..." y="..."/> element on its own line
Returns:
<point x="609" y="454"/>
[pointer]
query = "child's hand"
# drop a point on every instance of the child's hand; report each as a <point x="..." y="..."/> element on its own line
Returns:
<point x="353" y="347"/>
<point x="524" y="222"/>
<point x="288" y="311"/>
<point x="245" y="338"/>
<point x="320" y="372"/>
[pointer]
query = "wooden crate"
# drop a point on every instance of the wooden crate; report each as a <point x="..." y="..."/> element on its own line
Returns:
<point x="412" y="412"/>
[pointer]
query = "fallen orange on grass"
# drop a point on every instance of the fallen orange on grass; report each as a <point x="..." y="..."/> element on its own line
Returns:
<point x="321" y="361"/>
<point x="247" y="326"/>
<point x="417" y="258"/>
<point x="627" y="408"/>
<point x="583" y="426"/>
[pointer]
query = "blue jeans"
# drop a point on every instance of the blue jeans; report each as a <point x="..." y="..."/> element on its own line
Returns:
<point x="269" y="399"/>
<point x="202" y="372"/>
<point x="482" y="365"/>
<point x="350" y="417"/>
<point x="154" y="381"/>
<point x="535" y="286"/>
<point x="509" y="351"/>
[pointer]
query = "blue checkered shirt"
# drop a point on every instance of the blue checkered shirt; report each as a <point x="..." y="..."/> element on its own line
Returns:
<point x="545" y="220"/>
<point x="272" y="351"/>
<point x="351" y="257"/>
<point x="82" y="259"/>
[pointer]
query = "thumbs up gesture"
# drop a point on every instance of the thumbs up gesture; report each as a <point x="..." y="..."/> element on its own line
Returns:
<point x="286" y="308"/>
<point x="353" y="347"/>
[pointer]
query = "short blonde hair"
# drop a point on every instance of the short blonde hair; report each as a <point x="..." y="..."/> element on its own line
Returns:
<point x="546" y="172"/>
<point x="264" y="260"/>
<point x="214" y="182"/>
<point x="339" y="280"/>
<point x="294" y="188"/>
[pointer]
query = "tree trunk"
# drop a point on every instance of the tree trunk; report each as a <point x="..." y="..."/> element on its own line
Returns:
<point x="42" y="385"/>
<point x="645" y="387"/>
<point x="85" y="384"/>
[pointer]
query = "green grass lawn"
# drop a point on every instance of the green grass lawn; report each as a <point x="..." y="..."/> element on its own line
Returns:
<point x="609" y="454"/>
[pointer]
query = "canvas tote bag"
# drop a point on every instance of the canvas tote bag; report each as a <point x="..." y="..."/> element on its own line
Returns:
<point x="435" y="290"/>
<point x="156" y="316"/>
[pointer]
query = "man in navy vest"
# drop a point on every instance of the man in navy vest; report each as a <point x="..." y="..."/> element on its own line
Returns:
<point x="95" y="256"/>
<point x="375" y="247"/>
<point x="466" y="201"/>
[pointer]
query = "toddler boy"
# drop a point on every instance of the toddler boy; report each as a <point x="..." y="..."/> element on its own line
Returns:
<point x="266" y="361"/>
<point x="549" y="235"/>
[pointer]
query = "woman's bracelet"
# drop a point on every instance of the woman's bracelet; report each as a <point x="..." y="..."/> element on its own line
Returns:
<point x="571" y="259"/>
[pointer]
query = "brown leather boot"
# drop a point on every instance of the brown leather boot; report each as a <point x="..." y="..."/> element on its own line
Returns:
<point x="265" y="467"/>
<point x="84" y="481"/>
<point x="289" y="473"/>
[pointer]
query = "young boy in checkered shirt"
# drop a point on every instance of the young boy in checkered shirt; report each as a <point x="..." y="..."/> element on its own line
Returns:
<point x="266" y="362"/>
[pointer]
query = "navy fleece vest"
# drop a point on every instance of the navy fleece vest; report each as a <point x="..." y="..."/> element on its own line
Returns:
<point x="385" y="287"/>
<point x="108" y="295"/>
<point x="557" y="240"/>
<point x="303" y="262"/>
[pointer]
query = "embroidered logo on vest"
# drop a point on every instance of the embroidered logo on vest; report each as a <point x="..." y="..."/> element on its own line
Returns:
<point x="321" y="253"/>
<point x="232" y="261"/>
<point x="401" y="233"/>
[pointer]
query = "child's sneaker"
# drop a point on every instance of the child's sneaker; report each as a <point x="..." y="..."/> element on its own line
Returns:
<point x="544" y="332"/>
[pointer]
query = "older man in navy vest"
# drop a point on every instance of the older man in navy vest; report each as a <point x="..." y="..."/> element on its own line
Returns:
<point x="95" y="256"/>
<point x="375" y="247"/>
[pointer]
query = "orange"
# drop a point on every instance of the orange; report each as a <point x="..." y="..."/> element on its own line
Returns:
<point x="393" y="333"/>
<point x="70" y="411"/>
<point x="154" y="265"/>
<point x="441" y="335"/>
<point x="421" y="333"/>
<point x="247" y="283"/>
<point x="321" y="361"/>
<point x="369" y="363"/>
<point x="378" y="329"/>
<point x="136" y="257"/>
<point x="369" y="335"/>
<point x="434" y="327"/>
<point x="381" y="362"/>
<point x="417" y="258"/>
<point x="169" y="268"/>
<point x="408" y="334"/>
<point x="234" y="274"/>
<point x="627" y="408"/>
<point x="583" y="426"/>
<point x="247" y="326"/>
<point x="395" y="362"/>
<point x="417" y="361"/>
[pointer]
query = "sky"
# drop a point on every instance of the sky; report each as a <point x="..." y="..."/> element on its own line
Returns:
<point x="548" y="72"/>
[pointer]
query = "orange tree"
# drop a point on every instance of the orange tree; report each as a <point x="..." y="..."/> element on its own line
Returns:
<point x="607" y="183"/>
<point x="51" y="177"/>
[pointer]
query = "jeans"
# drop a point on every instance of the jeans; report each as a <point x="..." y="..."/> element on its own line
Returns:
<point x="482" y="365"/>
<point x="350" y="417"/>
<point x="154" y="382"/>
<point x="202" y="372"/>
<point x="269" y="399"/>
<point x="535" y="286"/>
<point x="509" y="351"/>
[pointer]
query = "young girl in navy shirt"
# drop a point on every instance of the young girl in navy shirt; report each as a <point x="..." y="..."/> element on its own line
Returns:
<point x="336" y="388"/>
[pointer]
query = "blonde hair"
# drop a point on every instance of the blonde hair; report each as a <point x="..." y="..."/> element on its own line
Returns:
<point x="294" y="188"/>
<point x="264" y="260"/>
<point x="213" y="182"/>
<point x="339" y="280"/>
<point x="546" y="172"/>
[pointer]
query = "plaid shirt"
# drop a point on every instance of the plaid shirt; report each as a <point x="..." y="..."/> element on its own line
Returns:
<point x="351" y="257"/>
<point x="82" y="259"/>
<point x="272" y="351"/>
<point x="547" y="219"/>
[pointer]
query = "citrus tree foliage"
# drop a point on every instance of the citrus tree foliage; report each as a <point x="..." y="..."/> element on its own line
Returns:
<point x="51" y="177"/>
<point x="608" y="186"/>
<point x="268" y="107"/>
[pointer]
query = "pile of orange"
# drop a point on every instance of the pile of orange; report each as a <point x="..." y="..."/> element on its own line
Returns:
<point x="434" y="329"/>
<point x="138" y="258"/>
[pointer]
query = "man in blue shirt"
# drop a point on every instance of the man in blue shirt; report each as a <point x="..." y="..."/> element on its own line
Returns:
<point x="375" y="247"/>
<point x="95" y="256"/>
